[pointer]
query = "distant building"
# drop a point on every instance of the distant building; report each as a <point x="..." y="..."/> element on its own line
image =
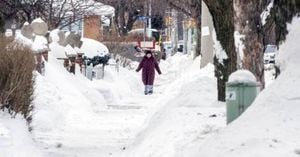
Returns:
<point x="94" y="22"/>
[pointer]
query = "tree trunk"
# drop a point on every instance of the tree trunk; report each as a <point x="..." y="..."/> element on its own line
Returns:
<point x="223" y="17"/>
<point x="196" y="13"/>
<point x="248" y="23"/>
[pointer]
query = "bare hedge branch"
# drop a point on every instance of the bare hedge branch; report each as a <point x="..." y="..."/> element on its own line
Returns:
<point x="17" y="64"/>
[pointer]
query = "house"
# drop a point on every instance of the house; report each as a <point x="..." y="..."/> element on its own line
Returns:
<point x="97" y="18"/>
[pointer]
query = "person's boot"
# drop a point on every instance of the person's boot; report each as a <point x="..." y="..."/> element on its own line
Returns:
<point x="150" y="89"/>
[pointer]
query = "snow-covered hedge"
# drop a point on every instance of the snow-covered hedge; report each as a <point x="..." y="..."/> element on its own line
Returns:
<point x="16" y="77"/>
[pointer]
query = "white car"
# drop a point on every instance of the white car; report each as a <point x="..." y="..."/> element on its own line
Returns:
<point x="168" y="47"/>
<point x="269" y="54"/>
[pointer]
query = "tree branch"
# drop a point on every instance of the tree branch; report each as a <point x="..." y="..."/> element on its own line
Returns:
<point x="181" y="9"/>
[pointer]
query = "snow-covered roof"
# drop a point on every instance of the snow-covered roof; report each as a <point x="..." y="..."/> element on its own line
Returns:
<point x="101" y="9"/>
<point x="96" y="8"/>
<point x="92" y="48"/>
<point x="242" y="76"/>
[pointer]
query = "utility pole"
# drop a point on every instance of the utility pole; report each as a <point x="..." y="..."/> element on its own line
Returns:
<point x="174" y="31"/>
<point x="149" y="19"/>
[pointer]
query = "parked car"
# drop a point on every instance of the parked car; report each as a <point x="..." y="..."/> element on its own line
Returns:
<point x="180" y="46"/>
<point x="168" y="48"/>
<point x="269" y="54"/>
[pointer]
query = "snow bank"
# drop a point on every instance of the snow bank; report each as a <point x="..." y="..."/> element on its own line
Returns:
<point x="270" y="127"/>
<point x="184" y="112"/>
<point x="67" y="106"/>
<point x="287" y="55"/>
<point x="61" y="99"/>
<point x="117" y="86"/>
<point x="242" y="76"/>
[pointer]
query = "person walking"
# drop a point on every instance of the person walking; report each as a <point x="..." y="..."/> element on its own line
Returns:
<point x="148" y="64"/>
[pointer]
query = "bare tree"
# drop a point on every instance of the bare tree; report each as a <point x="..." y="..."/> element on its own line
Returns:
<point x="126" y="13"/>
<point x="244" y="17"/>
<point x="18" y="10"/>
<point x="58" y="13"/>
<point x="248" y="23"/>
<point x="223" y="17"/>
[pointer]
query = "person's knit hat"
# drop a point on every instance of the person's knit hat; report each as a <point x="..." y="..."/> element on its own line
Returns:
<point x="148" y="52"/>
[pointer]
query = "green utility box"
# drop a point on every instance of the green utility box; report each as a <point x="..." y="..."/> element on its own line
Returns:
<point x="239" y="96"/>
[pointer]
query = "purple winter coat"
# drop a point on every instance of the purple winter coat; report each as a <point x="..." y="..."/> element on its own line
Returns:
<point x="148" y="72"/>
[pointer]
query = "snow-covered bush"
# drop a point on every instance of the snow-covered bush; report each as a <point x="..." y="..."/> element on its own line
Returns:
<point x="16" y="77"/>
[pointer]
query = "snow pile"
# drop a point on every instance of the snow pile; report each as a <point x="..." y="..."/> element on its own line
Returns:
<point x="61" y="99"/>
<point x="15" y="140"/>
<point x="266" y="13"/>
<point x="92" y="48"/>
<point x="70" y="51"/>
<point x="270" y="127"/>
<point x="174" y="66"/>
<point x="187" y="111"/>
<point x="54" y="35"/>
<point x="117" y="86"/>
<point x="57" y="51"/>
<point x="287" y="55"/>
<point x="242" y="76"/>
<point x="37" y="42"/>
<point x="69" y="109"/>
<point x="40" y="43"/>
<point x="21" y="39"/>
